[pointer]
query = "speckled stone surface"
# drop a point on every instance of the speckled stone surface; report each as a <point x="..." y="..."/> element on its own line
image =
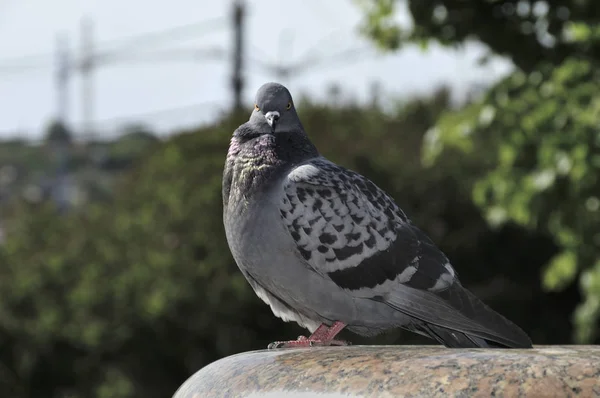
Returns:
<point x="401" y="371"/>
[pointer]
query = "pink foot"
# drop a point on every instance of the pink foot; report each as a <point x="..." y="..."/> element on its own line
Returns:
<point x="323" y="336"/>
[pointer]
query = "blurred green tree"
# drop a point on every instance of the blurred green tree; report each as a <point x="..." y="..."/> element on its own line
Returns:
<point x="538" y="128"/>
<point x="526" y="31"/>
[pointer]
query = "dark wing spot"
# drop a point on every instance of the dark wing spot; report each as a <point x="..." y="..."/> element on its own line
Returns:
<point x="353" y="235"/>
<point x="295" y="225"/>
<point x="318" y="204"/>
<point x="391" y="225"/>
<point x="322" y="249"/>
<point x="348" y="251"/>
<point x="307" y="230"/>
<point x="388" y="212"/>
<point x="305" y="253"/>
<point x="313" y="221"/>
<point x="339" y="227"/>
<point x="383" y="231"/>
<point x="371" y="187"/>
<point x="370" y="243"/>
<point x="327" y="239"/>
<point x="295" y="235"/>
<point x="324" y="193"/>
<point x="338" y="211"/>
<point x="301" y="194"/>
<point x="356" y="218"/>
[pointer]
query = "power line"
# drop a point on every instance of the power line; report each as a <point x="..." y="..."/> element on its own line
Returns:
<point x="318" y="49"/>
<point x="284" y="71"/>
<point x="123" y="45"/>
<point x="286" y="41"/>
<point x="348" y="56"/>
<point x="323" y="12"/>
<point x="210" y="105"/>
<point x="196" y="29"/>
<point x="171" y="54"/>
<point x="30" y="58"/>
<point x="185" y="115"/>
<point x="25" y="64"/>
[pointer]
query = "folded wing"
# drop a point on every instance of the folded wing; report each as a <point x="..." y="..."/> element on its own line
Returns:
<point x="351" y="232"/>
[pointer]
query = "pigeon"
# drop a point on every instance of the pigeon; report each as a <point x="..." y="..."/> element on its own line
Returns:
<point x="327" y="248"/>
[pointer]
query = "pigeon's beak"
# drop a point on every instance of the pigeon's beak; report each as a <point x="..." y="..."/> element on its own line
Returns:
<point x="272" y="118"/>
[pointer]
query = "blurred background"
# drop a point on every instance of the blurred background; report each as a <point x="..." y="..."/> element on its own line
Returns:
<point x="480" y="117"/>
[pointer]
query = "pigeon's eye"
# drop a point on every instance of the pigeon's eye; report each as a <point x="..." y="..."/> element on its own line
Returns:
<point x="289" y="106"/>
<point x="256" y="107"/>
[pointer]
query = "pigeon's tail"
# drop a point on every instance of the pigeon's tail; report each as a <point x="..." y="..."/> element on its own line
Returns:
<point x="453" y="339"/>
<point x="457" y="318"/>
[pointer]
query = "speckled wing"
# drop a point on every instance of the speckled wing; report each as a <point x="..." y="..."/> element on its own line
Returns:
<point x="351" y="232"/>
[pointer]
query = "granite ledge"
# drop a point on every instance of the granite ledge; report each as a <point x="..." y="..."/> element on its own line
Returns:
<point x="401" y="371"/>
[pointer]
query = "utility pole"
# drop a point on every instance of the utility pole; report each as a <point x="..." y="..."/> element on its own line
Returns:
<point x="62" y="79"/>
<point x="60" y="144"/>
<point x="86" y="67"/>
<point x="237" y="79"/>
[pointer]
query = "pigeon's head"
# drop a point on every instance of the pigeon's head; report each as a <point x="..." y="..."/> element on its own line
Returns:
<point x="274" y="110"/>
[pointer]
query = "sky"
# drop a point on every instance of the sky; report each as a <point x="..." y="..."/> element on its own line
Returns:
<point x="148" y="81"/>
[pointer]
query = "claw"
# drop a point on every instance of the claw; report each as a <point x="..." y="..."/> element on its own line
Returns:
<point x="307" y="343"/>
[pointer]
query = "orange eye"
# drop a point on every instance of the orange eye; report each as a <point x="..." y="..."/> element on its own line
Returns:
<point x="256" y="107"/>
<point x="289" y="106"/>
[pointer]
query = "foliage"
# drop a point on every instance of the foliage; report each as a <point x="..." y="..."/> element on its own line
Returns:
<point x="130" y="297"/>
<point x="526" y="31"/>
<point x="541" y="130"/>
<point x="91" y="168"/>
